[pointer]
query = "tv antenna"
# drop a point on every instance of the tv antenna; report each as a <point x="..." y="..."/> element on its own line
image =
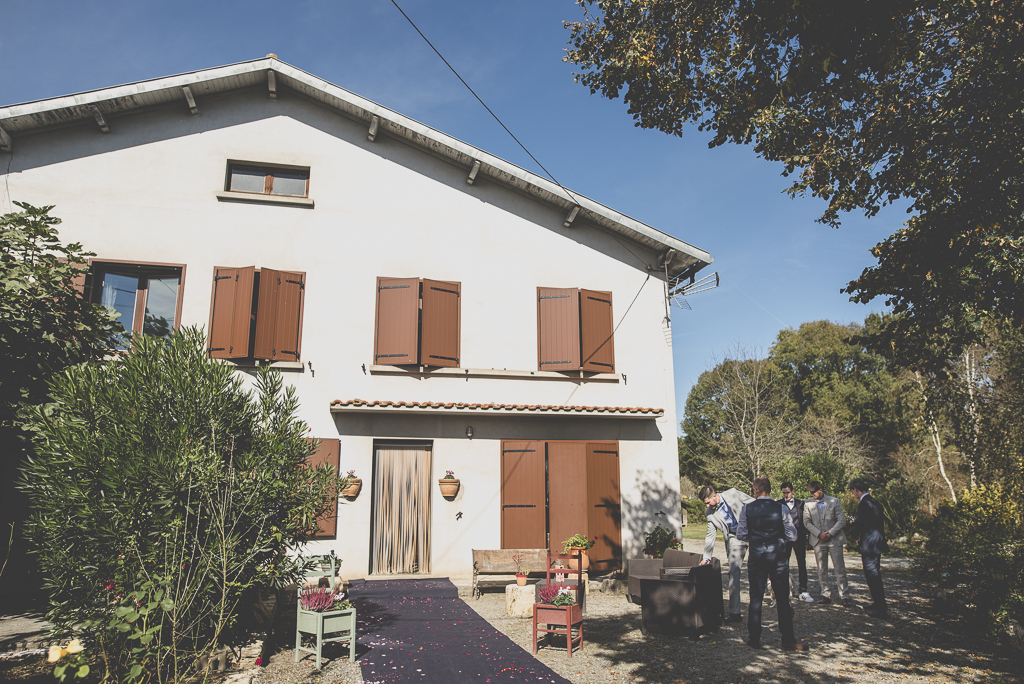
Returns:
<point x="682" y="286"/>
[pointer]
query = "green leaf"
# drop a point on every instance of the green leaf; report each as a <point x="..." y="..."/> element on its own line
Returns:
<point x="135" y="671"/>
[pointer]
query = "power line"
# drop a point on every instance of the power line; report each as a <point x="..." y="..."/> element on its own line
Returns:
<point x="438" y="53"/>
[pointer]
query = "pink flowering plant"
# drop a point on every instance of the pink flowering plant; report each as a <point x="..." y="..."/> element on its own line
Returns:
<point x="659" y="540"/>
<point x="557" y="595"/>
<point x="449" y="475"/>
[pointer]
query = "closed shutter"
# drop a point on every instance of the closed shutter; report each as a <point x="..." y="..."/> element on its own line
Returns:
<point x="279" y="315"/>
<point x="604" y="510"/>
<point x="231" y="312"/>
<point x="523" y="513"/>
<point x="567" y="492"/>
<point x="396" y="334"/>
<point x="327" y="454"/>
<point x="441" y="319"/>
<point x="558" y="329"/>
<point x="596" y="328"/>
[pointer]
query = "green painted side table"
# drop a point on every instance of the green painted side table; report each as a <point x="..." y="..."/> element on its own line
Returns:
<point x="331" y="625"/>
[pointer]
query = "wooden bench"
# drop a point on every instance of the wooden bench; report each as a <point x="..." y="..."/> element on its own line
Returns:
<point x="499" y="562"/>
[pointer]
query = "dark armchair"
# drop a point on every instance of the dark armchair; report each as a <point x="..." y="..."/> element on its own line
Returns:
<point x="677" y="593"/>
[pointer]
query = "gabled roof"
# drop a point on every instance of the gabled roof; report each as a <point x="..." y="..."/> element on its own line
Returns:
<point x="105" y="105"/>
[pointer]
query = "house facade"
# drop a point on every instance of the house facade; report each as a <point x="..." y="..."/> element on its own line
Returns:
<point x="436" y="308"/>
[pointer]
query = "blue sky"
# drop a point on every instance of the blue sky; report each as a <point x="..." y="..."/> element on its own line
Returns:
<point x="778" y="267"/>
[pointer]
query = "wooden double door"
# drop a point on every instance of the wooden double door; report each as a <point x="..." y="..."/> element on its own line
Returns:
<point x="551" y="490"/>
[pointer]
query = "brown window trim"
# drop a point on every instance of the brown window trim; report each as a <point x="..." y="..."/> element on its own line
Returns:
<point x="268" y="179"/>
<point x="98" y="263"/>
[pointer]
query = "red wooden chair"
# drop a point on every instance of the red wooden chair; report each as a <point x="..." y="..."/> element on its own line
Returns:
<point x="562" y="619"/>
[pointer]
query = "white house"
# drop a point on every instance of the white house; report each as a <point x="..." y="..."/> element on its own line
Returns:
<point x="436" y="307"/>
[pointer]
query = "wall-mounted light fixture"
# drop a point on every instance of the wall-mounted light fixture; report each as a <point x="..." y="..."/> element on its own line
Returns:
<point x="469" y="431"/>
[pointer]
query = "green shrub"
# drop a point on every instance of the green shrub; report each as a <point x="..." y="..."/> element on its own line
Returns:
<point x="695" y="511"/>
<point x="901" y="502"/>
<point x="976" y="547"/>
<point x="166" y="498"/>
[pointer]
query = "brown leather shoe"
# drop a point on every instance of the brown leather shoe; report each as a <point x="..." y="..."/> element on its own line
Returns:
<point x="823" y="600"/>
<point x="795" y="646"/>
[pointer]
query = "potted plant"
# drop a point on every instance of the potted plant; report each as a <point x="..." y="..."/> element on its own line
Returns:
<point x="321" y="612"/>
<point x="659" y="540"/>
<point x="350" y="485"/>
<point x="557" y="606"/>
<point x="522" y="572"/>
<point x="578" y="543"/>
<point x="449" y="484"/>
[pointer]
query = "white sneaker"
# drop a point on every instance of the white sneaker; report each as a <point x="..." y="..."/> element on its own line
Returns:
<point x="807" y="598"/>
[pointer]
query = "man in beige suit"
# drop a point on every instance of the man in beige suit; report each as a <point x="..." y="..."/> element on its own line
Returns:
<point x="824" y="519"/>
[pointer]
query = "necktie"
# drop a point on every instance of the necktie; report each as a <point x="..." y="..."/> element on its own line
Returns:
<point x="730" y="519"/>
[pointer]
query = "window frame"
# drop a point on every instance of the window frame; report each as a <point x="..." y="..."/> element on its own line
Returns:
<point x="147" y="269"/>
<point x="268" y="178"/>
<point x="256" y="305"/>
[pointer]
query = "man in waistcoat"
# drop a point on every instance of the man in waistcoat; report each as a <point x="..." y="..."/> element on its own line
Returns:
<point x="795" y="507"/>
<point x="767" y="526"/>
<point x="870" y="534"/>
<point x="723" y="514"/>
<point x="824" y="519"/>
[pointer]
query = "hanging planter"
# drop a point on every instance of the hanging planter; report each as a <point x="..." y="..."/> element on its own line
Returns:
<point x="449" y="485"/>
<point x="351" y="485"/>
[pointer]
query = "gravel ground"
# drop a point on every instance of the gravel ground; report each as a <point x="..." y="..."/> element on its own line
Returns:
<point x="915" y="645"/>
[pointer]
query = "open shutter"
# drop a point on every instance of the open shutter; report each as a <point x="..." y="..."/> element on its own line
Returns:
<point x="596" y="328"/>
<point x="604" y="510"/>
<point x="327" y="453"/>
<point x="279" y="315"/>
<point x="396" y="334"/>
<point x="567" y="494"/>
<point x="441" y="323"/>
<point x="558" y="329"/>
<point x="231" y="312"/>
<point x="523" y="512"/>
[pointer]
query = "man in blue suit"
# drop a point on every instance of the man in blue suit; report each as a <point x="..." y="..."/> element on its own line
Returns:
<point x="870" y="534"/>
<point x="767" y="526"/>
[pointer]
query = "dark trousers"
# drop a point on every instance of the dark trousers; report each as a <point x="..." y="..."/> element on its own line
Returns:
<point x="873" y="576"/>
<point x="799" y="548"/>
<point x="760" y="568"/>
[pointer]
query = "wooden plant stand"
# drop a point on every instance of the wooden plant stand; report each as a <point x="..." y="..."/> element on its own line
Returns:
<point x="331" y="625"/>
<point x="558" y="620"/>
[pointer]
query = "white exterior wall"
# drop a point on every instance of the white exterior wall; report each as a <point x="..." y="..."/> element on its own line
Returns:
<point x="146" y="192"/>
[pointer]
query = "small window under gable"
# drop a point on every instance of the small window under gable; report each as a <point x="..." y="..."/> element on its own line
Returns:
<point x="261" y="179"/>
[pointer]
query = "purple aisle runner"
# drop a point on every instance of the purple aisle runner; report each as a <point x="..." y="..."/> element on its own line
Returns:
<point x="419" y="630"/>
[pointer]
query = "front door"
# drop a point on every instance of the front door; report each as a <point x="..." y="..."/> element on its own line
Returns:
<point x="401" y="510"/>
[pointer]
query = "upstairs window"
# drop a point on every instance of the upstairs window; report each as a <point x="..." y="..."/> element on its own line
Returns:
<point x="418" y="322"/>
<point x="268" y="180"/>
<point x="146" y="297"/>
<point x="575" y="330"/>
<point x="256" y="314"/>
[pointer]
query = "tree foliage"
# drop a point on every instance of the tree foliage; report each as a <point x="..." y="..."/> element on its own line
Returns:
<point x="864" y="103"/>
<point x="45" y="325"/>
<point x="166" y="498"/>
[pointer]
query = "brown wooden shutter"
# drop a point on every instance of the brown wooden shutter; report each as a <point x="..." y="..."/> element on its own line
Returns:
<point x="441" y="321"/>
<point x="567" y="492"/>
<point x="604" y="510"/>
<point x="596" y="328"/>
<point x="279" y="315"/>
<point x="231" y="312"/>
<point x="558" y="329"/>
<point x="327" y="453"/>
<point x="523" y="511"/>
<point x="396" y="333"/>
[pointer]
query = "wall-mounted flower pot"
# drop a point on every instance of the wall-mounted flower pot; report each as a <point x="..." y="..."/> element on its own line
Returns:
<point x="449" y="488"/>
<point x="351" y="490"/>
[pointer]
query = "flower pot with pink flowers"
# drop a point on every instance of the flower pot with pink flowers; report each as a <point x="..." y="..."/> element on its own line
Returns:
<point x="449" y="485"/>
<point x="350" y="485"/>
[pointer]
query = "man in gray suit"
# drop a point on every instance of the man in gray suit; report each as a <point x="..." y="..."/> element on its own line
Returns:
<point x="824" y="519"/>
<point x="723" y="514"/>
